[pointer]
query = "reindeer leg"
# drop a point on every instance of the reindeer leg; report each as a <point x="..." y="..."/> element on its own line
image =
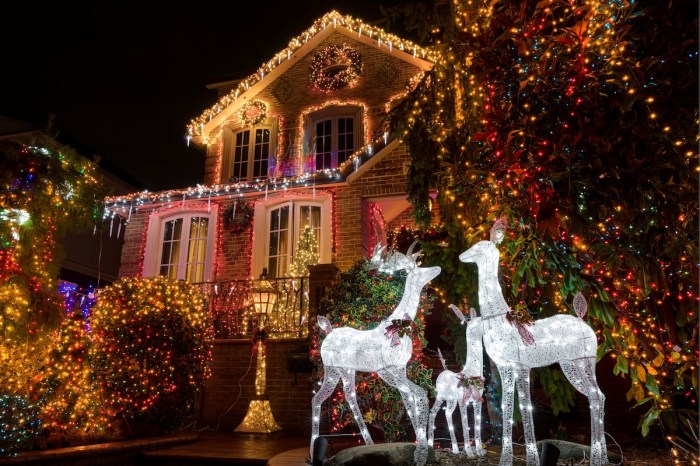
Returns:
<point x="331" y="375"/>
<point x="449" y="410"/>
<point x="351" y="397"/>
<point x="415" y="399"/>
<point x="581" y="374"/>
<point x="507" y="374"/>
<point x="480" y="451"/>
<point x="523" y="381"/>
<point x="463" y="406"/>
<point x="431" y="422"/>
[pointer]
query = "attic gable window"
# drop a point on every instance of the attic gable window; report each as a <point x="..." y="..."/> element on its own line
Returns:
<point x="333" y="135"/>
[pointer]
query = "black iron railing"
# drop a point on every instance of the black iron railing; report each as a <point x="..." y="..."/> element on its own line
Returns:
<point x="240" y="307"/>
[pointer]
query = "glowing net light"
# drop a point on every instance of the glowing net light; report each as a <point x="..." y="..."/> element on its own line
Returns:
<point x="383" y="350"/>
<point x="564" y="339"/>
<point x="463" y="388"/>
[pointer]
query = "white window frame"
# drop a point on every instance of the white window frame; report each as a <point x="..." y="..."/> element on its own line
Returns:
<point x="261" y="235"/>
<point x="230" y="147"/>
<point x="154" y="241"/>
<point x="333" y="113"/>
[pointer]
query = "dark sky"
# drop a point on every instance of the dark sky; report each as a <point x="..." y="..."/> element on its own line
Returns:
<point x="123" y="79"/>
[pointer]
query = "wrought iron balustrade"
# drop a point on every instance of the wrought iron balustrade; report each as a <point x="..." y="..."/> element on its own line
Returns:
<point x="239" y="307"/>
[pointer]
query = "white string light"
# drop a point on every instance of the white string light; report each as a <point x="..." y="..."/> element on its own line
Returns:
<point x="563" y="339"/>
<point x="346" y="350"/>
<point x="462" y="389"/>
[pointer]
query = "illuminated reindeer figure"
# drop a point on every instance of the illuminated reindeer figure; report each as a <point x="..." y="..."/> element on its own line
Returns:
<point x="516" y="348"/>
<point x="383" y="350"/>
<point x="462" y="388"/>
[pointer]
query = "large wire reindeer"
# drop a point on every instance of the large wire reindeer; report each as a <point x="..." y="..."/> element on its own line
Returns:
<point x="517" y="348"/>
<point x="383" y="350"/>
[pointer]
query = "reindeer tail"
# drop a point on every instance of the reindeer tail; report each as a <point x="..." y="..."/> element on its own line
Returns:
<point x="325" y="324"/>
<point x="580" y="305"/>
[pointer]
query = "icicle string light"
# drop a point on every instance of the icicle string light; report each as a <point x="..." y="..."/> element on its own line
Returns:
<point x="332" y="19"/>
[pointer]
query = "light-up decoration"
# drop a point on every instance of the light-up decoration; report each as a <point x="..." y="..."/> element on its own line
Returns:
<point x="346" y="350"/>
<point x="123" y="206"/>
<point x="335" y="67"/>
<point x="259" y="418"/>
<point x="563" y="339"/>
<point x="462" y="389"/>
<point x="332" y="19"/>
<point x="253" y="113"/>
<point x="151" y="347"/>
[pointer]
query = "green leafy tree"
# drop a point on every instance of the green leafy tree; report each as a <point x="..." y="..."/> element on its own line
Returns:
<point x="46" y="189"/>
<point x="579" y="124"/>
<point x="361" y="298"/>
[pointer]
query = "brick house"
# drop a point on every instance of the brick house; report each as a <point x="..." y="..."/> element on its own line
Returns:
<point x="301" y="143"/>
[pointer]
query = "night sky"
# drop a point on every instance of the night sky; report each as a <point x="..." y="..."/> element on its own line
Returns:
<point x="123" y="79"/>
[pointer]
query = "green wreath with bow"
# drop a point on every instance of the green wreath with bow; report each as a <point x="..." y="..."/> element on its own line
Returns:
<point x="238" y="216"/>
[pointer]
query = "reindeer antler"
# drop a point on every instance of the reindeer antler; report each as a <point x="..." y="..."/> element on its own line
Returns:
<point x="376" y="261"/>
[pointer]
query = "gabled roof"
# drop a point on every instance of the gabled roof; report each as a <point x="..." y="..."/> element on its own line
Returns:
<point x="200" y="127"/>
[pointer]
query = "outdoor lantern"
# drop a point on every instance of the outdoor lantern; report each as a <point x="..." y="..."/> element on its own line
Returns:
<point x="264" y="298"/>
<point x="259" y="420"/>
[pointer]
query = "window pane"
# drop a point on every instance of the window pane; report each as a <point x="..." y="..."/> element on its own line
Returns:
<point x="262" y="153"/>
<point x="197" y="248"/>
<point x="172" y="233"/>
<point x="323" y="144"/>
<point x="278" y="244"/>
<point x="346" y="139"/>
<point x="240" y="155"/>
<point x="311" y="216"/>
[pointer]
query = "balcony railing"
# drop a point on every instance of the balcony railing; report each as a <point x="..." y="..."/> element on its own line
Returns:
<point x="279" y="305"/>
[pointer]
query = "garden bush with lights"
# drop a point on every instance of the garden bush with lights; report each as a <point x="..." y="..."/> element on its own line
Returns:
<point x="150" y="349"/>
<point x="360" y="298"/>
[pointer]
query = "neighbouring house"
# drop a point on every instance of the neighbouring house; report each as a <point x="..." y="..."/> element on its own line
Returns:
<point x="301" y="143"/>
<point x="89" y="258"/>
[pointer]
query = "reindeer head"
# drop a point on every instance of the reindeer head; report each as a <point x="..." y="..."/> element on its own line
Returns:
<point x="422" y="275"/>
<point x="480" y="253"/>
<point x="483" y="252"/>
<point x="398" y="261"/>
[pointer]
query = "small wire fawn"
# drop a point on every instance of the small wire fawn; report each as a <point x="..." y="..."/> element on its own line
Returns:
<point x="462" y="388"/>
<point x="381" y="350"/>
<point x="517" y="348"/>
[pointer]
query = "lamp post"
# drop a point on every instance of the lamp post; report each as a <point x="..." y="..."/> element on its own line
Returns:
<point x="259" y="420"/>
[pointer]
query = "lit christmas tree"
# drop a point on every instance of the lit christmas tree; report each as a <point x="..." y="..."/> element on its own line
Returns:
<point x="306" y="254"/>
<point x="576" y="121"/>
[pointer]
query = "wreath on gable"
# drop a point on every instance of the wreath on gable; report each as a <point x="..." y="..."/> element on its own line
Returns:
<point x="334" y="67"/>
<point x="238" y="216"/>
<point x="253" y="113"/>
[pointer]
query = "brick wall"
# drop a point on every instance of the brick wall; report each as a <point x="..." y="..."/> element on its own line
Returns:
<point x="290" y="95"/>
<point x="133" y="248"/>
<point x="226" y="395"/>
